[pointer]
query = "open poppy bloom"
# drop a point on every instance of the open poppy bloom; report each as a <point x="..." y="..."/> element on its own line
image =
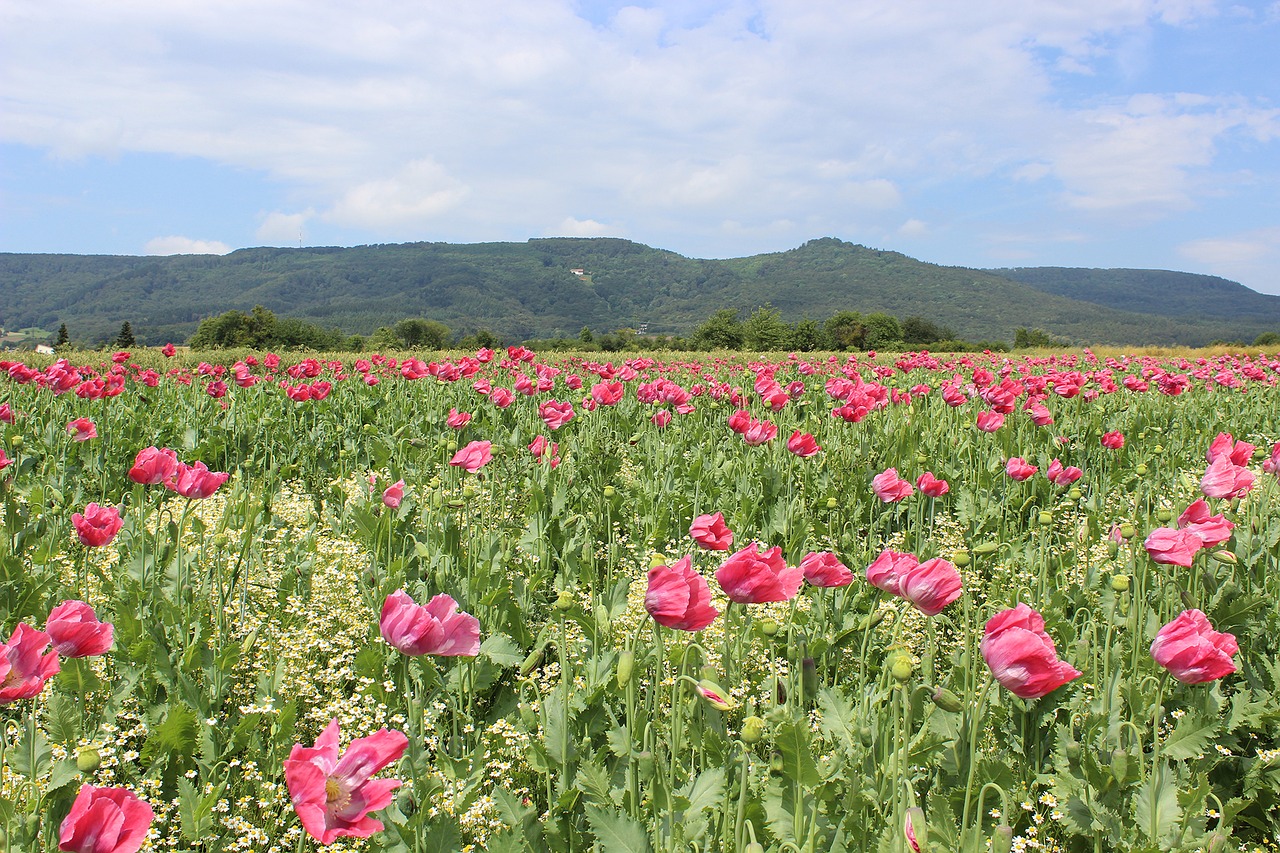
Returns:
<point x="1192" y="651"/>
<point x="438" y="628"/>
<point x="678" y="597"/>
<point x="105" y="820"/>
<point x="754" y="577"/>
<point x="24" y="664"/>
<point x="1022" y="656"/>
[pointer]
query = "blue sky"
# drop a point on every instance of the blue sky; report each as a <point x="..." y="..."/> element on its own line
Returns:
<point x="1100" y="133"/>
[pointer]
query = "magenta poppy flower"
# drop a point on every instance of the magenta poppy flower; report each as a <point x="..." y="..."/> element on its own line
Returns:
<point x="990" y="421"/>
<point x="1113" y="440"/>
<point x="1172" y="547"/>
<point x="1062" y="476"/>
<point x="740" y="420"/>
<point x="759" y="432"/>
<point x="803" y="444"/>
<point x="474" y="456"/>
<point x="931" y="485"/>
<point x="153" y="466"/>
<point x="5" y="461"/>
<point x="75" y="631"/>
<point x="1040" y="414"/>
<point x="1192" y="651"/>
<point x="751" y="576"/>
<point x="105" y="820"/>
<point x="97" y="525"/>
<point x="930" y="586"/>
<point x="1209" y="529"/>
<point x="678" y="597"/>
<point x="1021" y="656"/>
<point x="661" y="418"/>
<point x="25" y="665"/>
<point x="332" y="792"/>
<point x="169" y="350"/>
<point x="555" y="414"/>
<point x="607" y="393"/>
<point x="886" y="570"/>
<point x="457" y="420"/>
<point x="889" y="487"/>
<point x="1019" y="469"/>
<point x="1225" y="479"/>
<point x="823" y="568"/>
<point x="196" y="482"/>
<point x="711" y="532"/>
<point x="393" y="495"/>
<point x="438" y="628"/>
<point x="1238" y="452"/>
<point x="82" y="429"/>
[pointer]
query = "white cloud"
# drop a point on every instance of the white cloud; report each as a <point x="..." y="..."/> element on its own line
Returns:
<point x="279" y="228"/>
<point x="913" y="228"/>
<point x="571" y="227"/>
<point x="175" y="245"/>
<point x="1251" y="256"/>
<point x="414" y="196"/>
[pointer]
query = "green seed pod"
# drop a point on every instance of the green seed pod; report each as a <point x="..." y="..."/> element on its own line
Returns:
<point x="947" y="701"/>
<point x="985" y="548"/>
<point x="434" y="482"/>
<point x="451" y="446"/>
<point x="564" y="601"/>
<point x="776" y="764"/>
<point x="1140" y="469"/>
<point x="832" y="503"/>
<point x="626" y="663"/>
<point x="88" y="760"/>
<point x="900" y="668"/>
<point x="1045" y="517"/>
<point x="753" y="847"/>
<point x="1158" y="449"/>
<point x="468" y="491"/>
<point x="921" y="459"/>
<point x="1224" y="556"/>
<point x="1164" y="515"/>
<point x="657" y="560"/>
<point x="1075" y="494"/>
<point x="960" y="558"/>
<point x="752" y="729"/>
<point x="768" y="627"/>
<point x="1120" y="583"/>
<point x="1002" y="839"/>
<point x="609" y="491"/>
<point x="1127" y="530"/>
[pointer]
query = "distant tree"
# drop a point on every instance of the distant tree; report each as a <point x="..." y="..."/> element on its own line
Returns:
<point x="722" y="331"/>
<point x="355" y="343"/>
<point x="63" y="337"/>
<point x="227" y="330"/>
<point x="882" y="330"/>
<point x="585" y="335"/>
<point x="765" y="332"/>
<point x="919" y="331"/>
<point x="807" y="336"/>
<point x="1267" y="339"/>
<point x="260" y="328"/>
<point x="845" y="330"/>
<point x="419" y="333"/>
<point x="125" y="338"/>
<point x="1035" y="339"/>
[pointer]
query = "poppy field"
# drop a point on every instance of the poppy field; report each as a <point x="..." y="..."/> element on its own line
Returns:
<point x="513" y="601"/>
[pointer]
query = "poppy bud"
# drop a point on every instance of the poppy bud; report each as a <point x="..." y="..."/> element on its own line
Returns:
<point x="1224" y="556"/>
<point x="946" y="700"/>
<point x="1120" y="583"/>
<point x="533" y="661"/>
<point x="1073" y="750"/>
<point x="873" y="619"/>
<point x="1121" y="763"/>
<point x="866" y="735"/>
<point x="921" y="459"/>
<point x="753" y="847"/>
<point x="716" y="696"/>
<point x="752" y="729"/>
<point x="915" y="829"/>
<point x="528" y="717"/>
<point x="1163" y="514"/>
<point x="564" y="601"/>
<point x="451" y="446"/>
<point x="646" y="764"/>
<point x="960" y="558"/>
<point x="468" y="491"/>
<point x="1140" y="469"/>
<point x="1002" y="839"/>
<point x="88" y="759"/>
<point x="776" y="764"/>
<point x="809" y="677"/>
<point x="780" y="691"/>
<point x="457" y="503"/>
<point x="1217" y="843"/>
<point x="900" y="668"/>
<point x="17" y="441"/>
<point x="626" y="662"/>
<point x="985" y="548"/>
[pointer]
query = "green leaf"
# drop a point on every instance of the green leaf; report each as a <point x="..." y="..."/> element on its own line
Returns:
<point x="1156" y="807"/>
<point x="62" y="720"/>
<point x="705" y="791"/>
<point x="594" y="782"/>
<point x="839" y="719"/>
<point x="177" y="735"/>
<point x="795" y="744"/>
<point x="30" y="755"/>
<point x="193" y="811"/>
<point x="502" y="650"/>
<point x="1190" y="738"/>
<point x="616" y="831"/>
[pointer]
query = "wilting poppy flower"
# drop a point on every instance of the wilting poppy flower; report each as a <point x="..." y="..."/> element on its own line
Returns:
<point x="1225" y="479"/>
<point x="1209" y="529"/>
<point x="334" y="793"/>
<point x="1192" y="651"/>
<point x="1022" y="656"/>
<point x="754" y="577"/>
<point x="97" y="525"/>
<point x="153" y="466"/>
<point x="24" y="664"/>
<point x="931" y="485"/>
<point x="196" y="482"/>
<point x="678" y="597"/>
<point x="889" y="487"/>
<point x="474" y="456"/>
<point x="393" y="495"/>
<point x="75" y="631"/>
<point x="802" y="444"/>
<point x="823" y="568"/>
<point x="1062" y="476"/>
<point x="105" y="820"/>
<point x="990" y="421"/>
<point x="1172" y="547"/>
<point x="82" y="429"/>
<point x="711" y="532"/>
<point x="438" y="628"/>
<point x="1019" y="469"/>
<point x="1113" y="440"/>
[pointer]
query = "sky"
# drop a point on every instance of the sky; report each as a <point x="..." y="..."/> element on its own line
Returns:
<point x="990" y="133"/>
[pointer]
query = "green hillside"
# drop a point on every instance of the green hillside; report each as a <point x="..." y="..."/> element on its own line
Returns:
<point x="526" y="290"/>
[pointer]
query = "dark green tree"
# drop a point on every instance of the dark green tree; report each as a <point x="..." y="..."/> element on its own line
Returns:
<point x="845" y="330"/>
<point x="419" y="333"/>
<point x="125" y="338"/>
<point x="63" y="337"/>
<point x="882" y="330"/>
<point x="722" y="331"/>
<point x="807" y="336"/>
<point x="765" y="332"/>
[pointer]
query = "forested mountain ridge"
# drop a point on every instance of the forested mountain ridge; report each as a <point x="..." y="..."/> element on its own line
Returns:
<point x="525" y="290"/>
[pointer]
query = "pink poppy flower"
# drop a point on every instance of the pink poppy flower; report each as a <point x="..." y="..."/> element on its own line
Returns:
<point x="1062" y="476"/>
<point x="393" y="495"/>
<point x="555" y="414"/>
<point x="438" y="628"/>
<point x="169" y="350"/>
<point x="678" y="597"/>
<point x="759" y="432"/>
<point x="105" y="820"/>
<point x="1224" y="479"/>
<point x="990" y="421"/>
<point x="153" y="466"/>
<point x="889" y="487"/>
<point x="1113" y="440"/>
<point x="1172" y="547"/>
<point x="1192" y="651"/>
<point x="661" y="418"/>
<point x="75" y="631"/>
<point x="24" y="664"/>
<point x="502" y="397"/>
<point x="1272" y="464"/>
<point x="457" y="420"/>
<point x="5" y="461"/>
<point x="1040" y="414"/>
<point x="711" y="532"/>
<point x="740" y="420"/>
<point x="823" y="568"/>
<point x="6" y="414"/>
<point x="333" y="793"/>
<point x="802" y="444"/>
<point x="931" y="485"/>
<point x="886" y="570"/>
<point x="82" y="429"/>
<point x="1019" y="469"/>
<point x="1238" y="452"/>
<point x="97" y="525"/>
<point x="607" y="393"/>
<point x="196" y="482"/>
<point x="752" y="576"/>
<point x="1021" y="656"/>
<point x="542" y="449"/>
<point x="474" y="456"/>
<point x="930" y="586"/>
<point x="1209" y="529"/>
